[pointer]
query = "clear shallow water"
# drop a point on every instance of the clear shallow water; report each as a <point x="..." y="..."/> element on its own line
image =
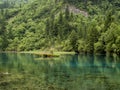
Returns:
<point x="69" y="72"/>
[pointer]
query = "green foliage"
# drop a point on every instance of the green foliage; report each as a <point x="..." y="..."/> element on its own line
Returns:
<point x="74" y="40"/>
<point x="92" y="37"/>
<point x="99" y="48"/>
<point x="71" y="25"/>
<point x="3" y="33"/>
<point x="82" y="46"/>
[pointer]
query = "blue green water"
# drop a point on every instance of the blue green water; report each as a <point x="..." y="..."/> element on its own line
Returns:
<point x="68" y="72"/>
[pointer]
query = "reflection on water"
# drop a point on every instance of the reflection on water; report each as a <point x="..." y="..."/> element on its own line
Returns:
<point x="69" y="72"/>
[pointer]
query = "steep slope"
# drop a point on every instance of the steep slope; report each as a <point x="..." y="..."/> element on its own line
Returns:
<point x="13" y="3"/>
<point x="95" y="6"/>
<point x="81" y="26"/>
<point x="28" y="26"/>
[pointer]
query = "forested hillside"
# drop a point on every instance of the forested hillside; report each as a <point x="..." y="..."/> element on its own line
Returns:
<point x="90" y="26"/>
<point x="12" y="3"/>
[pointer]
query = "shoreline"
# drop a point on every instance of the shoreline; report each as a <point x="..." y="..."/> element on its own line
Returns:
<point x="49" y="54"/>
<point x="56" y="53"/>
<point x="53" y="53"/>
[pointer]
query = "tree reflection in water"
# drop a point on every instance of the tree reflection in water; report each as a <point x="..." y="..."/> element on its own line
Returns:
<point x="69" y="72"/>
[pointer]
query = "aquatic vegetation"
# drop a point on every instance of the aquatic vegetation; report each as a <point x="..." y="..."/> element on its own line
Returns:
<point x="72" y="72"/>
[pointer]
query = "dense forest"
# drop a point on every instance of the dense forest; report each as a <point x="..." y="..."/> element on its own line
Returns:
<point x="84" y="26"/>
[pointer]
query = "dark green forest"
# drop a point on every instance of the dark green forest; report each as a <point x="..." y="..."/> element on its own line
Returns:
<point x="83" y="26"/>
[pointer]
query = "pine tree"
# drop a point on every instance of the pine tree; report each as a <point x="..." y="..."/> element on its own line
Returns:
<point x="3" y="34"/>
<point x="67" y="13"/>
<point x="73" y="40"/>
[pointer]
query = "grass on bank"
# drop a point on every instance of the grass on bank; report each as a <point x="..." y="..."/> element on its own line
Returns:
<point x="48" y="53"/>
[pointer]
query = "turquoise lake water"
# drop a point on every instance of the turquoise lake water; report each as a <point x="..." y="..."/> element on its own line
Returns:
<point x="68" y="72"/>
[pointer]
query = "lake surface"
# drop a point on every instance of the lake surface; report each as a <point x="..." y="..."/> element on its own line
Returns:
<point x="68" y="72"/>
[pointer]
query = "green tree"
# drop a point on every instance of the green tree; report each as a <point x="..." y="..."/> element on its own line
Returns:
<point x="74" y="40"/>
<point x="92" y="38"/>
<point x="3" y="34"/>
<point x="67" y="13"/>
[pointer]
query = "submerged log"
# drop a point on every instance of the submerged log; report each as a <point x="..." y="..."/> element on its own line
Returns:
<point x="4" y="74"/>
<point x="47" y="55"/>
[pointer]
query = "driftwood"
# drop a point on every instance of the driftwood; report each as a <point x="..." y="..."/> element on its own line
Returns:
<point x="4" y="74"/>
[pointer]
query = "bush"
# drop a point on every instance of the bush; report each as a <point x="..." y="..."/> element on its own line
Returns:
<point x="109" y="48"/>
<point x="81" y="46"/>
<point x="99" y="48"/>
